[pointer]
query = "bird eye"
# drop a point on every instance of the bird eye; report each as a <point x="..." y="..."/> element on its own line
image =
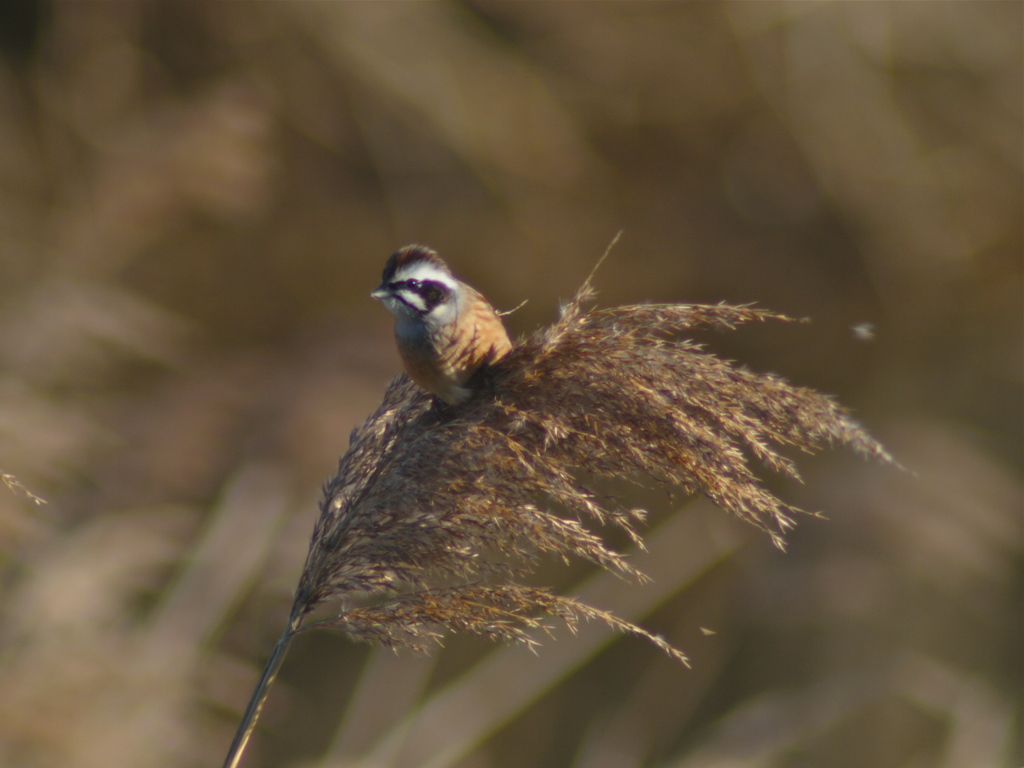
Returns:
<point x="414" y="284"/>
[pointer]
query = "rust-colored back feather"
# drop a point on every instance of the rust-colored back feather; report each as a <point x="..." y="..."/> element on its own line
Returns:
<point x="481" y="340"/>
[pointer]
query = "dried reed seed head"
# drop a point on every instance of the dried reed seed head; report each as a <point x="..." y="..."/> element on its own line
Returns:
<point x="435" y="511"/>
<point x="428" y="494"/>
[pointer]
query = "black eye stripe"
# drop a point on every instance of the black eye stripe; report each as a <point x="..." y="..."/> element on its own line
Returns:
<point x="431" y="291"/>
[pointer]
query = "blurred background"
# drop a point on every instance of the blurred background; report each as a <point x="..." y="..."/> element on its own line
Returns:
<point x="197" y="198"/>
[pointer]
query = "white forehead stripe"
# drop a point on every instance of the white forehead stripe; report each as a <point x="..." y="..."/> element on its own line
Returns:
<point x="425" y="271"/>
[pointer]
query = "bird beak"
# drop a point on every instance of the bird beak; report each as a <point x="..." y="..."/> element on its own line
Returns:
<point x="380" y="293"/>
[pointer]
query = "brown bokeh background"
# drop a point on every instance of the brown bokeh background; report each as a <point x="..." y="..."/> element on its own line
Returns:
<point x="195" y="201"/>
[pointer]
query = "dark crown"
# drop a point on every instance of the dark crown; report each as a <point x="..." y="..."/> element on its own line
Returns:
<point x="412" y="254"/>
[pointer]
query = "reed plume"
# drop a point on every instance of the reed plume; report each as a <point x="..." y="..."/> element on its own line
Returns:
<point x="15" y="486"/>
<point x="436" y="512"/>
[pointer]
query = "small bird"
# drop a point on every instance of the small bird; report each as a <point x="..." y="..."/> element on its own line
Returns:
<point x="446" y="331"/>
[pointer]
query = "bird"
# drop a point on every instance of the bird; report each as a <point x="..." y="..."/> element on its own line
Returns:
<point x="445" y="329"/>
